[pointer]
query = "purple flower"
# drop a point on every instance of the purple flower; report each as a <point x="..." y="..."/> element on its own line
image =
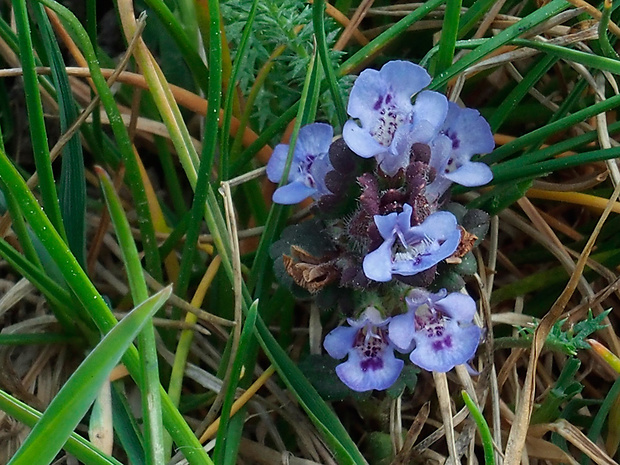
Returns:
<point x="309" y="166"/>
<point x="408" y="250"/>
<point x="439" y="327"/>
<point x="381" y="101"/>
<point x="464" y="133"/>
<point x="371" y="363"/>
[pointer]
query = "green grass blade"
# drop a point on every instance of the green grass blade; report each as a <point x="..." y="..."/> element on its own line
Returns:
<point x="277" y="212"/>
<point x="449" y="32"/>
<point x="472" y="15"/>
<point x="517" y="94"/>
<point x="542" y="133"/>
<point x="323" y="417"/>
<point x="483" y="428"/>
<point x="72" y="188"/>
<point x="36" y="339"/>
<point x="577" y="56"/>
<point x="133" y="176"/>
<point x="574" y="143"/>
<point x="52" y="291"/>
<point x="386" y="37"/>
<point x="603" y="39"/>
<point x="126" y="426"/>
<point x="552" y="8"/>
<point x="38" y="134"/>
<point x="93" y="303"/>
<point x="221" y="445"/>
<point x="76" y="445"/>
<point x="129" y="252"/>
<point x="240" y="56"/>
<point x="151" y="400"/>
<point x="178" y="34"/>
<point x="20" y="229"/>
<point x="549" y="166"/>
<point x="263" y="139"/>
<point x="318" y="20"/>
<point x="209" y="148"/>
<point x="596" y="426"/>
<point x="74" y="399"/>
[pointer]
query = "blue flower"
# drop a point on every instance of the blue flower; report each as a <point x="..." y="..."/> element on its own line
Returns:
<point x="310" y="164"/>
<point x="371" y="363"/>
<point x="408" y="250"/>
<point x="439" y="327"/>
<point x="381" y="101"/>
<point x="463" y="134"/>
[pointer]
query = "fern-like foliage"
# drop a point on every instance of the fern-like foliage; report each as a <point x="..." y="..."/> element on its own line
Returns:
<point x="573" y="339"/>
<point x="285" y="23"/>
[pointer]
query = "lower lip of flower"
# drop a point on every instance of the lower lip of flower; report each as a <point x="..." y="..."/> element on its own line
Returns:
<point x="373" y="363"/>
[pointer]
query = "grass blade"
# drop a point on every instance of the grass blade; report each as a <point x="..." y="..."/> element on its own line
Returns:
<point x="151" y="400"/>
<point x="93" y="303"/>
<point x="72" y="188"/>
<point x="449" y="33"/>
<point x="76" y="445"/>
<point x="542" y="14"/>
<point x="483" y="428"/>
<point x="133" y="177"/>
<point x="386" y="37"/>
<point x="38" y="134"/>
<point x="221" y="445"/>
<point x="318" y="20"/>
<point x="72" y="402"/>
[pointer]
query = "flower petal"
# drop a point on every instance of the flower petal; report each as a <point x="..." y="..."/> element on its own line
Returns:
<point x="439" y="225"/>
<point x="403" y="221"/>
<point x="469" y="131"/>
<point x="429" y="113"/>
<point x="441" y="236"/>
<point x="276" y="163"/>
<point x="363" y="374"/>
<point x="471" y="174"/>
<point x="405" y="79"/>
<point x="401" y="329"/>
<point x="360" y="141"/>
<point x="456" y="346"/>
<point x="313" y="139"/>
<point x="386" y="224"/>
<point x="370" y="315"/>
<point x="377" y="264"/>
<point x="292" y="193"/>
<point x="459" y="307"/>
<point x="339" y="341"/>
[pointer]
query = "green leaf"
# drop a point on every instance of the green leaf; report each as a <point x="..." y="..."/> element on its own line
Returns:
<point x="501" y="197"/>
<point x="76" y="445"/>
<point x="72" y="188"/>
<point x="318" y="20"/>
<point x="151" y="400"/>
<point x="449" y="32"/>
<point x="74" y="399"/>
<point x="222" y="446"/>
<point x="322" y="416"/>
<point x="542" y="14"/>
<point x="133" y="175"/>
<point x="38" y="134"/>
<point x="483" y="429"/>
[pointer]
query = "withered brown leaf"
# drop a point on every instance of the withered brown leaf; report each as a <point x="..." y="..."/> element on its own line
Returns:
<point x="310" y="272"/>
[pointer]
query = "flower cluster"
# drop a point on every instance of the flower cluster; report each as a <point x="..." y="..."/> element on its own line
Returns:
<point x="393" y="236"/>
